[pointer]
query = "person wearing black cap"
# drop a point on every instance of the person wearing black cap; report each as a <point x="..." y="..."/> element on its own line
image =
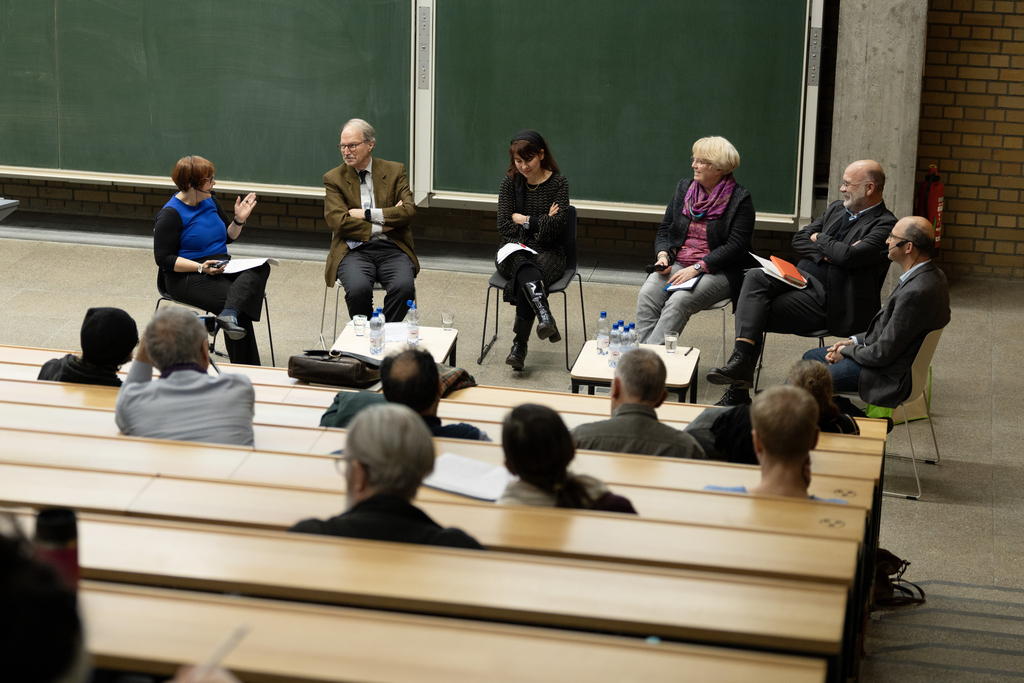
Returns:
<point x="108" y="337"/>
<point x="533" y="211"/>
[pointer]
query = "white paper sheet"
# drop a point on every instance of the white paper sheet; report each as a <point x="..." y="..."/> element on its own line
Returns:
<point x="468" y="477"/>
<point x="511" y="248"/>
<point x="237" y="265"/>
<point x="394" y="332"/>
<point x="769" y="267"/>
<point x="689" y="284"/>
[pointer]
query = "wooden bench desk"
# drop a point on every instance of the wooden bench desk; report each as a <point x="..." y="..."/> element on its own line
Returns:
<point x="134" y="455"/>
<point x="155" y="630"/>
<point x="314" y="395"/>
<point x="750" y="612"/>
<point x="543" y="531"/>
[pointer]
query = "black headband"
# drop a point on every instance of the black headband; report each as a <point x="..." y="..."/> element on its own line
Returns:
<point x="530" y="136"/>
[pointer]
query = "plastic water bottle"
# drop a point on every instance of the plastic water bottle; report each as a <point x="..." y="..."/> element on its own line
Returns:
<point x="412" y="324"/>
<point x="380" y="312"/>
<point x="614" y="346"/>
<point x="634" y="340"/>
<point x="602" y="334"/>
<point x="376" y="334"/>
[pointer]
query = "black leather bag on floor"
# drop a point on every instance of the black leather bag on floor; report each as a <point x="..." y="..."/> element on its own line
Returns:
<point x="340" y="369"/>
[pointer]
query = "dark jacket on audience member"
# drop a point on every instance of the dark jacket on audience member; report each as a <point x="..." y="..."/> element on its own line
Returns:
<point x="71" y="368"/>
<point x="388" y="518"/>
<point x="634" y="428"/>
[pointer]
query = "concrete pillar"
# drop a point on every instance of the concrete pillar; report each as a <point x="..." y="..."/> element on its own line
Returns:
<point x="879" y="69"/>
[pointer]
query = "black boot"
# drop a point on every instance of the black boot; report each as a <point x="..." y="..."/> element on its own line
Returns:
<point x="232" y="329"/>
<point x="739" y="371"/>
<point x="538" y="298"/>
<point x="517" y="356"/>
<point x="734" y="397"/>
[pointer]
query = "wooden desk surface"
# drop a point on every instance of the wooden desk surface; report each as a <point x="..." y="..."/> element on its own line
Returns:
<point x="13" y="356"/>
<point x="545" y="531"/>
<point x="679" y="366"/>
<point x="155" y="630"/>
<point x="758" y="613"/>
<point x="129" y="455"/>
<point x="273" y="410"/>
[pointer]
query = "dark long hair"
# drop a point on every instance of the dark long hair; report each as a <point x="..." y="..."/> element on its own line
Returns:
<point x="527" y="144"/>
<point x="538" y="448"/>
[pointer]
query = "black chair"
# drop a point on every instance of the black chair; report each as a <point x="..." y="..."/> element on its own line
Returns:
<point x="820" y="334"/>
<point x="161" y="288"/>
<point x="497" y="282"/>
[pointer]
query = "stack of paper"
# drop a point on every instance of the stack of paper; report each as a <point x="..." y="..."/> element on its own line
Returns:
<point x="468" y="477"/>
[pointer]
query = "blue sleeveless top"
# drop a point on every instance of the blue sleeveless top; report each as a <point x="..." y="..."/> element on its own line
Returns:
<point x="203" y="232"/>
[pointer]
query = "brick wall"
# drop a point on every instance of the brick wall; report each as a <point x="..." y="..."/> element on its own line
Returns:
<point x="972" y="128"/>
<point x="595" y="235"/>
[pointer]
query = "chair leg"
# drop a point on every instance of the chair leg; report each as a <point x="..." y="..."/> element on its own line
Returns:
<point x="337" y="302"/>
<point x="323" y="318"/>
<point x="760" y="360"/>
<point x="565" y="328"/>
<point x="485" y="346"/>
<point x="725" y="339"/>
<point x="270" y="335"/>
<point x="935" y="442"/>
<point x="913" y="462"/>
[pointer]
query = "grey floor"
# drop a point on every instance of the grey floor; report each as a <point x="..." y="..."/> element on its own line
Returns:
<point x="963" y="537"/>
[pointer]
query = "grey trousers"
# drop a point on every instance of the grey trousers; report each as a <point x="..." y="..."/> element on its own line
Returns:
<point x="658" y="311"/>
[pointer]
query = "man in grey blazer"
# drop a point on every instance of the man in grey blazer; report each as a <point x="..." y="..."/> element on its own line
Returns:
<point x="186" y="403"/>
<point x="877" y="363"/>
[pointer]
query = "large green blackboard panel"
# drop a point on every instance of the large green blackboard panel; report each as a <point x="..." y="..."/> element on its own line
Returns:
<point x="28" y="84"/>
<point x="620" y="90"/>
<point x="260" y="87"/>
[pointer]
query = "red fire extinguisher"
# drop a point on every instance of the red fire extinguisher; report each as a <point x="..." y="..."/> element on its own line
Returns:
<point x="930" y="199"/>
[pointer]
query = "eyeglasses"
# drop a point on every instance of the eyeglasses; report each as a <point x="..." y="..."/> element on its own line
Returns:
<point x="701" y="162"/>
<point x="846" y="184"/>
<point x="901" y="240"/>
<point x="349" y="148"/>
<point x="206" y="180"/>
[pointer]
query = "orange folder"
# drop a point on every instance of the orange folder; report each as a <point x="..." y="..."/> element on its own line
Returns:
<point x="789" y="272"/>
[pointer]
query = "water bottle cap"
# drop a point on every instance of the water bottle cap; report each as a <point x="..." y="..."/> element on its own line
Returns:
<point x="621" y="323"/>
<point x="604" y="314"/>
<point x="410" y="303"/>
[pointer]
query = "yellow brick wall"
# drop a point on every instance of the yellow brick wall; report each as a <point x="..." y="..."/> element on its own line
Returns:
<point x="972" y="128"/>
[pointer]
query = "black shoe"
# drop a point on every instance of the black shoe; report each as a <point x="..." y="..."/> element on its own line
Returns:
<point x="232" y="329"/>
<point x="517" y="356"/>
<point x="739" y="371"/>
<point x="546" y="328"/>
<point x="734" y="397"/>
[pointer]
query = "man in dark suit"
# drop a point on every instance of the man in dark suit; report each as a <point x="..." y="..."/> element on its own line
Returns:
<point x="877" y="363"/>
<point x="387" y="454"/>
<point x="368" y="205"/>
<point x="844" y="266"/>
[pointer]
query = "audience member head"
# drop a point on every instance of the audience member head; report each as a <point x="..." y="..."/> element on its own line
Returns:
<point x="192" y="171"/>
<point x="863" y="184"/>
<point x="814" y="376"/>
<point x="785" y="424"/>
<point x="40" y="631"/>
<point x="527" y="144"/>
<point x="538" y="449"/>
<point x="639" y="378"/>
<point x="108" y="337"/>
<point x="388" y="451"/>
<point x="718" y="152"/>
<point x="411" y="378"/>
<point x="363" y="128"/>
<point x="175" y="336"/>
<point x="911" y="241"/>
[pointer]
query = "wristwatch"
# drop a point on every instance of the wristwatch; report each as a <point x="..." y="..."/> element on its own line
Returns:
<point x="366" y="215"/>
<point x="526" y="223"/>
<point x="696" y="266"/>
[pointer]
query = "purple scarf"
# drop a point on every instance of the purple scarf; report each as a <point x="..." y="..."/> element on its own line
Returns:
<point x="701" y="206"/>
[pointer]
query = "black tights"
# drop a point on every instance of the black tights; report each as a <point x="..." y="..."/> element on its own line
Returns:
<point x="526" y="273"/>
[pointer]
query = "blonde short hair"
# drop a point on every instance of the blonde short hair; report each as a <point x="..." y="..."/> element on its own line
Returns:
<point x="719" y="152"/>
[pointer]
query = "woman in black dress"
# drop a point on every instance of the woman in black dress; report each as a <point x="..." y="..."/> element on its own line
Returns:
<point x="533" y="210"/>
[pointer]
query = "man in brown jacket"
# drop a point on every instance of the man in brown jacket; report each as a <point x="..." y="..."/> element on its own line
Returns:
<point x="368" y="206"/>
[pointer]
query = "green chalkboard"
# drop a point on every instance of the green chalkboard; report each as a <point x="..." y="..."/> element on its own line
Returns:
<point x="620" y="90"/>
<point x="28" y="84"/>
<point x="260" y="87"/>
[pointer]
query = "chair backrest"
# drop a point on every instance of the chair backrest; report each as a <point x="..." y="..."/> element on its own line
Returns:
<point x="919" y="370"/>
<point x="161" y="284"/>
<point x="569" y="241"/>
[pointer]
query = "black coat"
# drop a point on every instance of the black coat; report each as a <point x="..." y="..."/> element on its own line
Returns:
<point x="728" y="236"/>
<point x="388" y="518"/>
<point x="858" y="264"/>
